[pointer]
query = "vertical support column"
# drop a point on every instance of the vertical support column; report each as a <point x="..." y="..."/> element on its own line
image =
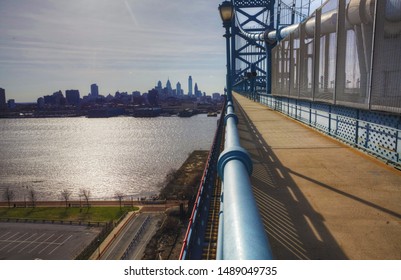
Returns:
<point x="339" y="85"/>
<point x="291" y="65"/>
<point x="379" y="12"/>
<point x="228" y="51"/>
<point x="268" y="68"/>
<point x="316" y="54"/>
<point x="303" y="80"/>
<point x="357" y="128"/>
<point x="233" y="52"/>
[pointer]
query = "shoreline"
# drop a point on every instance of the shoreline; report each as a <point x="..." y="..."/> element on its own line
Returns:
<point x="175" y="199"/>
<point x="178" y="185"/>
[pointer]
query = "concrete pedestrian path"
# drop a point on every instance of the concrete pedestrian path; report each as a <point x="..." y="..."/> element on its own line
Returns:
<point x="319" y="198"/>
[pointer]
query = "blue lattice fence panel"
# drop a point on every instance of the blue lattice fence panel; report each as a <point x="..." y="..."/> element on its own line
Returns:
<point x="304" y="111"/>
<point x="381" y="132"/>
<point x="271" y="101"/>
<point x="321" y="116"/>
<point x="377" y="132"/>
<point x="344" y="120"/>
<point x="278" y="104"/>
<point x="292" y="108"/>
<point x="263" y="99"/>
<point x="284" y="106"/>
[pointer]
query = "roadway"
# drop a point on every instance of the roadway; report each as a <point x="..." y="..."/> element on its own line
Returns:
<point x="319" y="198"/>
<point x="129" y="239"/>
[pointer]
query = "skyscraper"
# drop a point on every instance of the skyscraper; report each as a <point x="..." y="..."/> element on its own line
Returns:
<point x="72" y="96"/>
<point x="3" y="103"/>
<point x="168" y="85"/>
<point x="190" y="86"/>
<point x="196" y="90"/>
<point x="169" y="88"/>
<point x="178" y="88"/>
<point x="94" y="90"/>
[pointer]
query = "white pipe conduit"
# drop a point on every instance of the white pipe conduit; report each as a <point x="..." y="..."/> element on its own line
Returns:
<point x="358" y="12"/>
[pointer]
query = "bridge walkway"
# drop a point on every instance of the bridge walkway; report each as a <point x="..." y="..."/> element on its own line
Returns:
<point x="319" y="198"/>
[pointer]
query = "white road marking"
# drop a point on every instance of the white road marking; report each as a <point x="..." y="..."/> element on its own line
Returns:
<point x="15" y="241"/>
<point x="5" y="234"/>
<point x="60" y="245"/>
<point x="40" y="243"/>
<point x="26" y="240"/>
<point x="51" y="243"/>
<point x="31" y="242"/>
<point x="6" y="240"/>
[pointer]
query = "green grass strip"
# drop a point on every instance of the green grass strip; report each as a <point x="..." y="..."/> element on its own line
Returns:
<point x="96" y="214"/>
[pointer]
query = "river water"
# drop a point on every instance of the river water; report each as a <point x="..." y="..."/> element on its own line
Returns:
<point x="105" y="156"/>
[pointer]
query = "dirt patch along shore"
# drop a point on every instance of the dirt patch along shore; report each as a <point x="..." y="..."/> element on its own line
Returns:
<point x="180" y="184"/>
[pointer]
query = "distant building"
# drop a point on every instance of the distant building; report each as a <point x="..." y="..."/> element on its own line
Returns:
<point x="169" y="88"/>
<point x="57" y="99"/>
<point x="197" y="92"/>
<point x="216" y="96"/>
<point x="136" y="94"/>
<point x="190" y="86"/>
<point x="94" y="90"/>
<point x="159" y="87"/>
<point x="3" y="104"/>
<point x="48" y="99"/>
<point x="11" y="104"/>
<point x="178" y="89"/>
<point x="72" y="96"/>
<point x="41" y="103"/>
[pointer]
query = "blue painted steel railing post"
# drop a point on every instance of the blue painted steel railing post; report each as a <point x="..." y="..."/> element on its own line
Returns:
<point x="228" y="80"/>
<point x="241" y="232"/>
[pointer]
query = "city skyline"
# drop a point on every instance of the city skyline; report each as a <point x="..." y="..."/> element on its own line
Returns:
<point x="94" y="91"/>
<point x="75" y="97"/>
<point x="122" y="45"/>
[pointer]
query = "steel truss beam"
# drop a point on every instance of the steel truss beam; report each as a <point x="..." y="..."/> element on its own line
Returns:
<point x="250" y="56"/>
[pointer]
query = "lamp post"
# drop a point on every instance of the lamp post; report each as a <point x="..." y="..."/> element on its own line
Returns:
<point x="226" y="10"/>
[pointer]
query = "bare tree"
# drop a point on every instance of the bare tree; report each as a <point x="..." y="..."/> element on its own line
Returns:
<point x="65" y="195"/>
<point x="86" y="194"/>
<point x="120" y="196"/>
<point x="9" y="196"/>
<point x="32" y="196"/>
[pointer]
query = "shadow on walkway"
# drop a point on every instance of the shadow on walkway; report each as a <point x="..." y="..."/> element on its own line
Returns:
<point x="295" y="230"/>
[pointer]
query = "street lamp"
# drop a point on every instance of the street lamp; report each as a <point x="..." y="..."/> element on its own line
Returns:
<point x="226" y="10"/>
<point x="226" y="13"/>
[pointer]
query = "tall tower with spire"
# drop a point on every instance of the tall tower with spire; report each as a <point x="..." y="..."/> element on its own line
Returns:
<point x="196" y="90"/>
<point x="168" y="87"/>
<point x="189" y="86"/>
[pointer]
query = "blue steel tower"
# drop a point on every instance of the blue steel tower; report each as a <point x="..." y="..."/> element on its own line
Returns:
<point x="248" y="56"/>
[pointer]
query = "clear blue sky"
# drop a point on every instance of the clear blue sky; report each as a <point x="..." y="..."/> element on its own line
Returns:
<point x="125" y="45"/>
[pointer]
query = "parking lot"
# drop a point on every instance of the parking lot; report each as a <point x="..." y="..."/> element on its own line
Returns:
<point x="25" y="241"/>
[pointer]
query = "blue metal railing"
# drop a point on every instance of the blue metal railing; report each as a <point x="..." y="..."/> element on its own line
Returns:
<point x="241" y="232"/>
